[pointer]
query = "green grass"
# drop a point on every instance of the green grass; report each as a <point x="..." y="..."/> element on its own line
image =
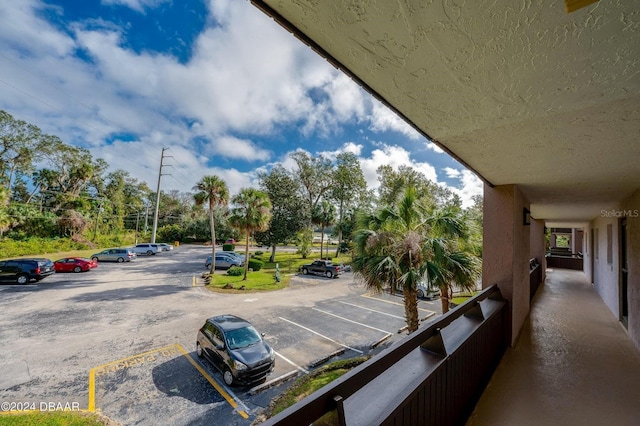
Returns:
<point x="264" y="279"/>
<point x="310" y="383"/>
<point x="37" y="418"/>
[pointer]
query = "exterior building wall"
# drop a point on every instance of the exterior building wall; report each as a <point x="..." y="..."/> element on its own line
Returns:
<point x="633" y="265"/>
<point x="588" y="252"/>
<point x="606" y="271"/>
<point x="537" y="245"/>
<point x="506" y="250"/>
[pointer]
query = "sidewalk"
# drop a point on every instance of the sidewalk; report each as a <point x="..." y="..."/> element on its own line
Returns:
<point x="573" y="364"/>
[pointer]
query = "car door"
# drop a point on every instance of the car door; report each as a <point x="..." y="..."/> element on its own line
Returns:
<point x="222" y="262"/>
<point x="4" y="272"/>
<point x="316" y="267"/>
<point x="62" y="265"/>
<point x="219" y="348"/>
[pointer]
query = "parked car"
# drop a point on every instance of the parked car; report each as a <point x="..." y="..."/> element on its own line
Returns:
<point x="165" y="246"/>
<point x="424" y="292"/>
<point x="235" y="348"/>
<point x="75" y="264"/>
<point x="146" y="248"/>
<point x="322" y="267"/>
<point x="22" y="271"/>
<point x="224" y="260"/>
<point x="114" y="255"/>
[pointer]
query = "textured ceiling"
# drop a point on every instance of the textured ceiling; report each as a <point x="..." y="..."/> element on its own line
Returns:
<point x="519" y="91"/>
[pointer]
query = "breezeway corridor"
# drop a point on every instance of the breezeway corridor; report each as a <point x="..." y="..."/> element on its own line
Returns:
<point x="572" y="365"/>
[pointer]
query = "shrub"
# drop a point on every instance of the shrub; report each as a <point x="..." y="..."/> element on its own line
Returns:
<point x="235" y="271"/>
<point x="256" y="264"/>
<point x="259" y="253"/>
<point x="228" y="247"/>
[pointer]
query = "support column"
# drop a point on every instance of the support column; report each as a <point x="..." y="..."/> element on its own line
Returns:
<point x="506" y="249"/>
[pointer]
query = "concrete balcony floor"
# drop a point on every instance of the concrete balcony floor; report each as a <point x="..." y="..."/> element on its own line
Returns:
<point x="572" y="365"/>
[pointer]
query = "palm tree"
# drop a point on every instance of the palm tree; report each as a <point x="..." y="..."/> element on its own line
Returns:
<point x="251" y="212"/>
<point x="398" y="247"/>
<point x="324" y="214"/>
<point x="212" y="190"/>
<point x="456" y="269"/>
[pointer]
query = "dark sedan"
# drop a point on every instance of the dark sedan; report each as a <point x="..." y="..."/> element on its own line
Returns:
<point x="75" y="264"/>
<point x="235" y="348"/>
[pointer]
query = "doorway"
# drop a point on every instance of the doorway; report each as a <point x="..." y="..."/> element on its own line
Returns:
<point x="624" y="308"/>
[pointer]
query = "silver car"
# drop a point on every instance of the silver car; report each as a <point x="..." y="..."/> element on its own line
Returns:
<point x="115" y="255"/>
<point x="424" y="292"/>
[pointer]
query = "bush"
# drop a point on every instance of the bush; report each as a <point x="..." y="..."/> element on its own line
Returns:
<point x="228" y="247"/>
<point x="256" y="264"/>
<point x="259" y="253"/>
<point x="235" y="271"/>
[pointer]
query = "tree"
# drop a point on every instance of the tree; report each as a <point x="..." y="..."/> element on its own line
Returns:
<point x="402" y="244"/>
<point x="349" y="184"/>
<point x="19" y="143"/>
<point x="287" y="218"/>
<point x="393" y="183"/>
<point x="315" y="175"/>
<point x="324" y="214"/>
<point x="251" y="212"/>
<point x="214" y="191"/>
<point x="304" y="239"/>
<point x="5" y="220"/>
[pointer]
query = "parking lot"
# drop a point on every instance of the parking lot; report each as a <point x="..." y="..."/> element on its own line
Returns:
<point x="120" y="339"/>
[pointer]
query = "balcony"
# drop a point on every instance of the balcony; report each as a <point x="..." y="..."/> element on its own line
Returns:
<point x="572" y="364"/>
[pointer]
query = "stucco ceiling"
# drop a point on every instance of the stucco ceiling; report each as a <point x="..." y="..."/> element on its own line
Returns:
<point x="520" y="91"/>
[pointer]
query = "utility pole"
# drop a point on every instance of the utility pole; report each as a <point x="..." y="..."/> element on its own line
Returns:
<point x="155" y="214"/>
<point x="137" y="225"/>
<point x="95" y="229"/>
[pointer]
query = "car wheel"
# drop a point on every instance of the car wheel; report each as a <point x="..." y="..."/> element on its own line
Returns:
<point x="304" y="271"/>
<point x="149" y="252"/>
<point x="198" y="350"/>
<point x="227" y="377"/>
<point x="420" y="294"/>
<point x="77" y="269"/>
<point x="22" y="279"/>
<point x="329" y="274"/>
<point x="95" y="259"/>
<point x="120" y="259"/>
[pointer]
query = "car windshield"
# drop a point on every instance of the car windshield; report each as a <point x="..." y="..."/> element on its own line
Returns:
<point x="242" y="337"/>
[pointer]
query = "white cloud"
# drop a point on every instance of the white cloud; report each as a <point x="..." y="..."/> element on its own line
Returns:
<point x="393" y="156"/>
<point x="231" y="147"/>
<point x="470" y="185"/>
<point x="383" y="119"/>
<point x="137" y="5"/>
<point x="435" y="148"/>
<point x="451" y="172"/>
<point x="347" y="147"/>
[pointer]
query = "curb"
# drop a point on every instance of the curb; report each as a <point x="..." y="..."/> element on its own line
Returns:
<point x="274" y="382"/>
<point x="375" y="344"/>
<point x="322" y="360"/>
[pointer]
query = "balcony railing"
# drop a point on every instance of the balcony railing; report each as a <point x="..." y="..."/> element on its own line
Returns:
<point x="433" y="376"/>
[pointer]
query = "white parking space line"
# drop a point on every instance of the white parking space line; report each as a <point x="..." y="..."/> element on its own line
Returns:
<point x="389" y="301"/>
<point x="371" y="310"/>
<point x="318" y="334"/>
<point x="305" y="371"/>
<point x="352" y="321"/>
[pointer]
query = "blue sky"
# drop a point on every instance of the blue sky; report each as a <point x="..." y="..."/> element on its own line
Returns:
<point x="217" y="82"/>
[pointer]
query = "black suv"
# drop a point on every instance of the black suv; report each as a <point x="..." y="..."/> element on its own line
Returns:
<point x="22" y="271"/>
<point x="235" y="348"/>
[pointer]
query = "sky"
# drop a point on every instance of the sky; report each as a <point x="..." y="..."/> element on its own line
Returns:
<point x="217" y="82"/>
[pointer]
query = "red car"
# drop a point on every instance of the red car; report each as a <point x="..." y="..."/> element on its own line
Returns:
<point x="74" y="264"/>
